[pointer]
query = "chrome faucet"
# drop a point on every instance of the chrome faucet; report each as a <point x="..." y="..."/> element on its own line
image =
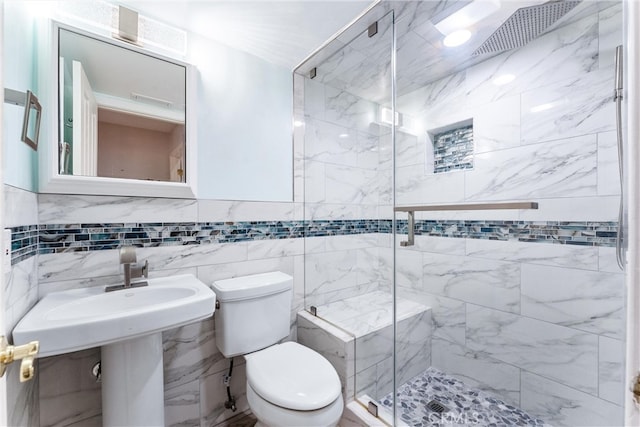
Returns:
<point x="128" y="260"/>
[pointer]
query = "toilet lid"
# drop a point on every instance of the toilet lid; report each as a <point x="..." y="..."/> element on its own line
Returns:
<point x="293" y="376"/>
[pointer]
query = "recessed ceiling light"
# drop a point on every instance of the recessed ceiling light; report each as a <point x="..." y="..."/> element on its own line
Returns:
<point x="504" y="79"/>
<point x="466" y="16"/>
<point x="457" y="38"/>
<point x="298" y="123"/>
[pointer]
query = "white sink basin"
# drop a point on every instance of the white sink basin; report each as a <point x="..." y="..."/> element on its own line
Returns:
<point x="83" y="318"/>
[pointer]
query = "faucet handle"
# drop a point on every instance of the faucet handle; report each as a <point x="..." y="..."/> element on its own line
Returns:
<point x="127" y="255"/>
<point x="140" y="270"/>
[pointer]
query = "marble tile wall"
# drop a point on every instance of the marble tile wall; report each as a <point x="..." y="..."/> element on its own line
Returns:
<point x="509" y="316"/>
<point x="541" y="325"/>
<point x="21" y="293"/>
<point x="194" y="392"/>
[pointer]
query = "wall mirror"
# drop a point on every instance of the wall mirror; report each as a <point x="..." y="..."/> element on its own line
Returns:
<point x="121" y="121"/>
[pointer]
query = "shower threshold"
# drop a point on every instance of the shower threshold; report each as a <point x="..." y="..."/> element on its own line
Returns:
<point x="434" y="398"/>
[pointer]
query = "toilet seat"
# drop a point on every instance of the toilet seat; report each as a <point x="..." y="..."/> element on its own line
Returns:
<point x="269" y="414"/>
<point x="293" y="377"/>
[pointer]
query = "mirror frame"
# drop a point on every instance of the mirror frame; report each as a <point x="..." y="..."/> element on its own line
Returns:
<point x="51" y="181"/>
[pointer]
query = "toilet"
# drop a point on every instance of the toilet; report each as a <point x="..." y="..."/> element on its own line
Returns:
<point x="288" y="384"/>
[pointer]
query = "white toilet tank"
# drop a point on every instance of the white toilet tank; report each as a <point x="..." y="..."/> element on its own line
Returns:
<point x="254" y="312"/>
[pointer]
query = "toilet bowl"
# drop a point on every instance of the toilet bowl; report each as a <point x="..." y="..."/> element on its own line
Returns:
<point x="291" y="385"/>
<point x="287" y="384"/>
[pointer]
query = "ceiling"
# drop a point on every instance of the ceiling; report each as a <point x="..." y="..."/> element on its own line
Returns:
<point x="280" y="32"/>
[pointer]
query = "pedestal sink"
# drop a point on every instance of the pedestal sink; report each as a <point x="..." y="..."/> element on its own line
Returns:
<point x="128" y="325"/>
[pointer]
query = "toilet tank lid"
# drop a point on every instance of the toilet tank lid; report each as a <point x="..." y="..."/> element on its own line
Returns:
<point x="253" y="286"/>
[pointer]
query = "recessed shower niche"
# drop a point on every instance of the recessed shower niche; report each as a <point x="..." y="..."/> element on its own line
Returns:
<point x="451" y="147"/>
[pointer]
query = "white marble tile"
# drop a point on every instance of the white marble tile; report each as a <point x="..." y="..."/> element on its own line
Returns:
<point x="341" y="294"/>
<point x="330" y="271"/>
<point x="409" y="270"/>
<point x="435" y="244"/>
<point x="611" y="370"/>
<point x="69" y="394"/>
<point x="21" y="280"/>
<point x="582" y="257"/>
<point x="610" y="34"/>
<point x="351" y="241"/>
<point x="182" y="405"/>
<point x="368" y="147"/>
<point x="439" y="98"/>
<point x="336" y="346"/>
<point x="566" y="355"/>
<point x="337" y="69"/>
<point x="374" y="347"/>
<point x="22" y="399"/>
<point x="315" y="244"/>
<point x="608" y="171"/>
<point x="413" y="345"/>
<point x="604" y="208"/>
<point x="21" y="291"/>
<point x="314" y="182"/>
<point x="477" y="370"/>
<point x="370" y="264"/>
<point x="20" y="207"/>
<point x="607" y="260"/>
<point x="231" y="210"/>
<point x="169" y="257"/>
<point x="274" y="248"/>
<point x="560" y="168"/>
<point x="345" y="109"/>
<point x="416" y="186"/>
<point x="448" y="315"/>
<point x="410" y="150"/>
<point x="560" y="405"/>
<point x="349" y="186"/>
<point x="333" y="211"/>
<point x="577" y="106"/>
<point x="329" y="143"/>
<point x="586" y="300"/>
<point x="496" y="126"/>
<point x="366" y="381"/>
<point x="384" y="379"/>
<point x="493" y="284"/>
<point x="213" y="394"/>
<point x="567" y="52"/>
<point x="190" y="352"/>
<point x="64" y="208"/>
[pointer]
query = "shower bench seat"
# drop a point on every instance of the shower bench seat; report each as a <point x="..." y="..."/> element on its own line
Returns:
<point x="356" y="336"/>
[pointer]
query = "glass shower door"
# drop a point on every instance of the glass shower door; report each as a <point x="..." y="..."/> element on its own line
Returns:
<point x="527" y="305"/>
<point x="344" y="139"/>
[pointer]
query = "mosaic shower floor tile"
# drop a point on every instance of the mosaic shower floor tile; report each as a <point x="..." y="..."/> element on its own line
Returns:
<point x="463" y="405"/>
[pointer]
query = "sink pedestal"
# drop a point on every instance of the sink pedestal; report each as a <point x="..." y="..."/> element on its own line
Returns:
<point x="132" y="382"/>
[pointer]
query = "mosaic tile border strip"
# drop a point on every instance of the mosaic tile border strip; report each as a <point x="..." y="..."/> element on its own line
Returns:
<point x="24" y="242"/>
<point x="583" y="233"/>
<point x="28" y="240"/>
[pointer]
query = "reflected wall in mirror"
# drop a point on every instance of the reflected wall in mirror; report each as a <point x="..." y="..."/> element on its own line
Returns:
<point x="122" y="113"/>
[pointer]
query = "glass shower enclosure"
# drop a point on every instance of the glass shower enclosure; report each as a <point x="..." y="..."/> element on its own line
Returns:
<point x="460" y="205"/>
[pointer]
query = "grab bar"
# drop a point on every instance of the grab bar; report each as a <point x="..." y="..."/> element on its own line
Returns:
<point x="411" y="210"/>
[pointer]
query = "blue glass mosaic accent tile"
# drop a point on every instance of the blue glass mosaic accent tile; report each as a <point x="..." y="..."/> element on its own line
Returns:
<point x="28" y="240"/>
<point x="453" y="149"/>
<point x="24" y="242"/>
<point x="568" y="233"/>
